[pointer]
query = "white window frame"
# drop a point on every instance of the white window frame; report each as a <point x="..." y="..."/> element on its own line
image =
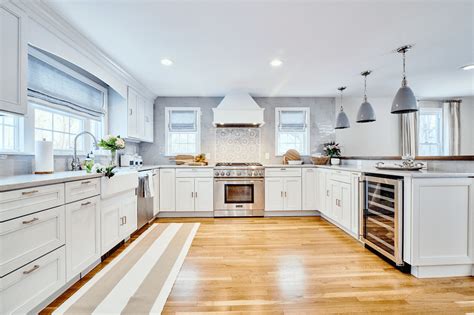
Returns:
<point x="440" y="113"/>
<point x="168" y="132"/>
<point x="18" y="134"/>
<point x="307" y="131"/>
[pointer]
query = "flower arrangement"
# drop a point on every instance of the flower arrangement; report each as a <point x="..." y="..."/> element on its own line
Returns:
<point x="112" y="143"/>
<point x="332" y="149"/>
<point x="108" y="171"/>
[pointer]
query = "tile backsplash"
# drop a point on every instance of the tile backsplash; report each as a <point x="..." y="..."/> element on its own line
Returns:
<point x="237" y="145"/>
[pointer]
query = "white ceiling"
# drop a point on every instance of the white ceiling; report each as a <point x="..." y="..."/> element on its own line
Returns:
<point x="219" y="46"/>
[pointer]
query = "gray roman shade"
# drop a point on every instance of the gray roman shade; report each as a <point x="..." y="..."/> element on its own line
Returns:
<point x="64" y="91"/>
<point x="182" y="120"/>
<point x="292" y="120"/>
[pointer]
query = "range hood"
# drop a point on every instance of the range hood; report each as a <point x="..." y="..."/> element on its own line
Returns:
<point x="238" y="110"/>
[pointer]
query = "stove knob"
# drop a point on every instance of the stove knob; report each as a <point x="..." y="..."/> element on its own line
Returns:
<point x="216" y="173"/>
<point x="239" y="173"/>
<point x="227" y="173"/>
<point x="222" y="173"/>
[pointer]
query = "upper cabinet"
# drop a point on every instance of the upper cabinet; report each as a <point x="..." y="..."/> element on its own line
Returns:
<point x="13" y="60"/>
<point x="131" y="118"/>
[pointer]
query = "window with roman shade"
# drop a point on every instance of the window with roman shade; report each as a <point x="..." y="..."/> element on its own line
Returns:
<point x="182" y="130"/>
<point x="292" y="130"/>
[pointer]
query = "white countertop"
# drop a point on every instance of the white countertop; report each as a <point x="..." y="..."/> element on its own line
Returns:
<point x="31" y="180"/>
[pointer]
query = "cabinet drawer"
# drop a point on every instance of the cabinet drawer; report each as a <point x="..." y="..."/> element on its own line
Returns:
<point x="82" y="189"/>
<point x="21" y="202"/>
<point x="282" y="172"/>
<point x="25" y="288"/>
<point x="194" y="172"/>
<point x="341" y="176"/>
<point x="27" y="238"/>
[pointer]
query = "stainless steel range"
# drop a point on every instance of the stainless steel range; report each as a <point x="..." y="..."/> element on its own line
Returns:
<point x="239" y="189"/>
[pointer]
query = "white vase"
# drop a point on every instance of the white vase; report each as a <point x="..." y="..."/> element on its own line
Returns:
<point x="335" y="161"/>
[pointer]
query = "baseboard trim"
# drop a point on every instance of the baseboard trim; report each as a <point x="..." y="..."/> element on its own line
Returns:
<point x="186" y="214"/>
<point x="306" y="213"/>
<point x="442" y="271"/>
<point x="356" y="236"/>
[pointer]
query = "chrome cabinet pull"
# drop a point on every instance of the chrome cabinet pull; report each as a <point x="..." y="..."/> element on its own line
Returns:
<point x="29" y="192"/>
<point x="282" y="169"/>
<point x="125" y="217"/>
<point x="281" y="194"/>
<point x="30" y="221"/>
<point x="85" y="203"/>
<point x="130" y="111"/>
<point x="86" y="182"/>
<point x="285" y="194"/>
<point x="327" y="193"/>
<point x="31" y="270"/>
<point x="192" y="194"/>
<point x="195" y="194"/>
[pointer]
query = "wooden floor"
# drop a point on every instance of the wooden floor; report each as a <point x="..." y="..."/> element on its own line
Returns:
<point x="296" y="266"/>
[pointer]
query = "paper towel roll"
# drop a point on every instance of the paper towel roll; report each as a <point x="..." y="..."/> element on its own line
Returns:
<point x="44" y="160"/>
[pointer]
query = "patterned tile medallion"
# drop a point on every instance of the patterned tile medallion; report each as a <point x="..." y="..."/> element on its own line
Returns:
<point x="237" y="144"/>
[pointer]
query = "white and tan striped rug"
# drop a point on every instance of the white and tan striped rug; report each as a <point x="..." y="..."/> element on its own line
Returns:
<point x="140" y="279"/>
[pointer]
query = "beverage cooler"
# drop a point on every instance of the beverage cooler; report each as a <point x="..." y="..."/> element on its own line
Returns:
<point x="381" y="225"/>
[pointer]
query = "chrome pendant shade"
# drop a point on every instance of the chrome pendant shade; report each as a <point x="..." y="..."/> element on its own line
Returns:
<point x="342" y="121"/>
<point x="366" y="112"/>
<point x="405" y="100"/>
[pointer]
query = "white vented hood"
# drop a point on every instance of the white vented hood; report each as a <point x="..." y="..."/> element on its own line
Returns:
<point x="238" y="110"/>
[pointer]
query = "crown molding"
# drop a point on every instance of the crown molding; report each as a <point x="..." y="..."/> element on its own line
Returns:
<point x="48" y="18"/>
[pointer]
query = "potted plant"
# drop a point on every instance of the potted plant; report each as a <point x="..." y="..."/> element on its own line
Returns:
<point x="112" y="143"/>
<point x="333" y="150"/>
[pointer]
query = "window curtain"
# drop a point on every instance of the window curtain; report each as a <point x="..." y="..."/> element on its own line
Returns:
<point x="452" y="127"/>
<point x="292" y="120"/>
<point x="63" y="91"/>
<point x="182" y="120"/>
<point x="409" y="134"/>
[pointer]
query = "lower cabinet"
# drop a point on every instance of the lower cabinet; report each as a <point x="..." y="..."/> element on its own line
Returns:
<point x="310" y="181"/>
<point x="283" y="193"/>
<point x="82" y="235"/>
<point x="167" y="189"/>
<point x="194" y="194"/>
<point x="118" y="220"/>
<point x="341" y="203"/>
<point x="27" y="287"/>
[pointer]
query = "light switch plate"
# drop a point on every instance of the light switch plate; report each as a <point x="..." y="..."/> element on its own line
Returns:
<point x="267" y="156"/>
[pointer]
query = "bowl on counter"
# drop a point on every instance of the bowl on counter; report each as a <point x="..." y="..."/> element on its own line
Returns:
<point x="295" y="162"/>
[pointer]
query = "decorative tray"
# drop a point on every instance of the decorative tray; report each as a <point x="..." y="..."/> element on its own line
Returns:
<point x="399" y="167"/>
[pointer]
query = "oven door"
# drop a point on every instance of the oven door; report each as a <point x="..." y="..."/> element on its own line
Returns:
<point x="239" y="194"/>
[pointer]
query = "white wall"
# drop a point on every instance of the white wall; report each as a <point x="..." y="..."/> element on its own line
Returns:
<point x="379" y="138"/>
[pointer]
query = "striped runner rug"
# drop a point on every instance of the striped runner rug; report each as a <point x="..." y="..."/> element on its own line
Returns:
<point x="139" y="280"/>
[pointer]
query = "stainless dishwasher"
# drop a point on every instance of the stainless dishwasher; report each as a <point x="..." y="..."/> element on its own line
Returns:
<point x="381" y="215"/>
<point x="146" y="193"/>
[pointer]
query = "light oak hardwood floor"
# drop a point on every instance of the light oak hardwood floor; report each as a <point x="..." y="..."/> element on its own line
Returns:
<point x="295" y="266"/>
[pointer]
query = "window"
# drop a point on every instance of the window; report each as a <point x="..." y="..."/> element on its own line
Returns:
<point x="182" y="130"/>
<point x="430" y="129"/>
<point x="292" y="130"/>
<point x="9" y="133"/>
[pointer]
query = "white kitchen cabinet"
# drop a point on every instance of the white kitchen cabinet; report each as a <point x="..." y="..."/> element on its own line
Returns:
<point x="442" y="222"/>
<point x="321" y="191"/>
<point x="13" y="61"/>
<point x="149" y="125"/>
<point x="26" y="238"/>
<point x="25" y="288"/>
<point x="309" y="189"/>
<point x="341" y="203"/>
<point x="355" y="203"/>
<point x="204" y="194"/>
<point x="184" y="194"/>
<point x="156" y="197"/>
<point x="132" y="114"/>
<point x="82" y="189"/>
<point x="82" y="235"/>
<point x="283" y="193"/>
<point x="118" y="220"/>
<point x="167" y="189"/>
<point x="194" y="194"/>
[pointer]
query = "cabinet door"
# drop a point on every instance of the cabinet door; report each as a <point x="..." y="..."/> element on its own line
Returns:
<point x="184" y="194"/>
<point x="321" y="192"/>
<point x="335" y="192"/>
<point x="128" y="217"/>
<point x="132" y="114"/>
<point x="274" y="194"/>
<point x="309" y="182"/>
<point x="355" y="203"/>
<point x="328" y="200"/>
<point x="292" y="193"/>
<point x="345" y="205"/>
<point x="82" y="235"/>
<point x="167" y="189"/>
<point x="13" y="61"/>
<point x="149" y="122"/>
<point x="140" y="117"/>
<point x="111" y="224"/>
<point x="203" y="194"/>
<point x="156" y="197"/>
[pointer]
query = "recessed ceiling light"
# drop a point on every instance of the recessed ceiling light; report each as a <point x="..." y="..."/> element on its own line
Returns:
<point x="166" y="62"/>
<point x="468" y="67"/>
<point x="276" y="63"/>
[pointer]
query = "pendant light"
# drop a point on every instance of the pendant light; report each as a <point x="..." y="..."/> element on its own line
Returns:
<point x="404" y="101"/>
<point x="342" y="121"/>
<point x="366" y="112"/>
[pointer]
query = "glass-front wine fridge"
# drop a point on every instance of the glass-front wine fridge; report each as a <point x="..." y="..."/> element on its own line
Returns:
<point x="381" y="216"/>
